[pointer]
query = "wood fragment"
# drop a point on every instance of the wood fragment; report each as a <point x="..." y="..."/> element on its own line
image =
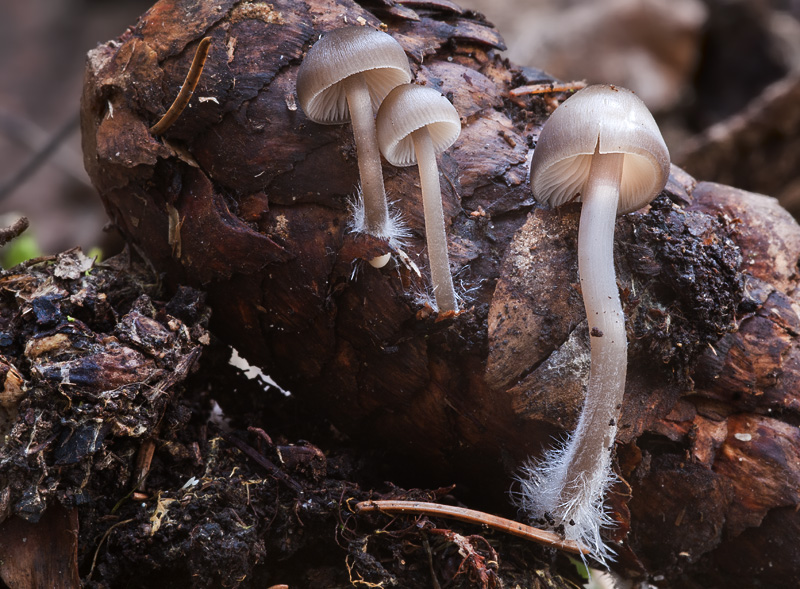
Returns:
<point x="144" y="459"/>
<point x="549" y="88"/>
<point x="263" y="461"/>
<point x="14" y="231"/>
<point x="474" y="517"/>
<point x="186" y="91"/>
<point x="42" y="554"/>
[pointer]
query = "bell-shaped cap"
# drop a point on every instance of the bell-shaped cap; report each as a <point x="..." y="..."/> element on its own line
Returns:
<point x="342" y="53"/>
<point x="408" y="108"/>
<point x="612" y="120"/>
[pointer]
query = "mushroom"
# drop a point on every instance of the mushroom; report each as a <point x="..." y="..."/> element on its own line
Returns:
<point x="345" y="75"/>
<point x="415" y="124"/>
<point x="601" y="147"/>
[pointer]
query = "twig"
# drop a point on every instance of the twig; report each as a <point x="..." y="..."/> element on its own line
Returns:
<point x="549" y="88"/>
<point x="144" y="459"/>
<point x="264" y="462"/>
<point x="186" y="91"/>
<point x="9" y="233"/>
<point x="103" y="539"/>
<point x="474" y="517"/>
<point x="261" y="434"/>
<point x="427" y="545"/>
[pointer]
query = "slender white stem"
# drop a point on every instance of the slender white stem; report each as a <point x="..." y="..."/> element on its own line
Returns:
<point x="597" y="425"/>
<point x="435" y="233"/>
<point x="567" y="485"/>
<point x="376" y="212"/>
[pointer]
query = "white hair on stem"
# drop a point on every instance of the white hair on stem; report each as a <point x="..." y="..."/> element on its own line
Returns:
<point x="583" y="515"/>
<point x="395" y="231"/>
<point x="422" y="294"/>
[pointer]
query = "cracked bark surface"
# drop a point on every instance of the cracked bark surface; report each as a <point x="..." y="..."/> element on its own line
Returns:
<point x="247" y="199"/>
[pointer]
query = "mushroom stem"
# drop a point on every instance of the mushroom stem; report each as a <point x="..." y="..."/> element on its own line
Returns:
<point x="376" y="212"/>
<point x="589" y="452"/>
<point x="435" y="233"/>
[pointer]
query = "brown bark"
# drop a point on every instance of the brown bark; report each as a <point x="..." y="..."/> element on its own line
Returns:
<point x="44" y="554"/>
<point x="246" y="198"/>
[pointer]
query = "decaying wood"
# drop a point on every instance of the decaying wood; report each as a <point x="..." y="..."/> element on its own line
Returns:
<point x="247" y="199"/>
<point x="42" y="554"/>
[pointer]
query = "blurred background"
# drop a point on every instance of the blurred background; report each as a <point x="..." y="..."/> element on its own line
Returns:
<point x="43" y="45"/>
<point x="721" y="76"/>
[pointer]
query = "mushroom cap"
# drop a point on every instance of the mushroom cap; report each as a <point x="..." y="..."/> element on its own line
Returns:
<point x="342" y="53"/>
<point x="408" y="108"/>
<point x="612" y="120"/>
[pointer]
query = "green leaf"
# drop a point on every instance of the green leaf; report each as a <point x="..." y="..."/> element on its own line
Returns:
<point x="19" y="250"/>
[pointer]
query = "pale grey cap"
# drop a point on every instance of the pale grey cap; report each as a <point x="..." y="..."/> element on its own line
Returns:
<point x="609" y="118"/>
<point x="408" y="108"/>
<point x="342" y="53"/>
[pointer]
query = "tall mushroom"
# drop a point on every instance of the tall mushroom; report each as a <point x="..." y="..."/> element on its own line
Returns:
<point x="415" y="124"/>
<point x="601" y="147"/>
<point x="345" y="75"/>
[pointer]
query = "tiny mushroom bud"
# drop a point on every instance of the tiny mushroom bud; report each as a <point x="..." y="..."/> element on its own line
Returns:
<point x="415" y="124"/>
<point x="601" y="147"/>
<point x="346" y="75"/>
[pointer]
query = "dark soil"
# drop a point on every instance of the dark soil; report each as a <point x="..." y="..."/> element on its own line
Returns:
<point x="169" y="491"/>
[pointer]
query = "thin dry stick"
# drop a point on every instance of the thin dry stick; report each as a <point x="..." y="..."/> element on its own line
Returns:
<point x="549" y="88"/>
<point x="143" y="461"/>
<point x="16" y="229"/>
<point x="474" y="517"/>
<point x="103" y="539"/>
<point x="186" y="91"/>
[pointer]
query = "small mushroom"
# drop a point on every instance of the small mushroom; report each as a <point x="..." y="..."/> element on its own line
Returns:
<point x="601" y="147"/>
<point x="345" y="76"/>
<point x="415" y="124"/>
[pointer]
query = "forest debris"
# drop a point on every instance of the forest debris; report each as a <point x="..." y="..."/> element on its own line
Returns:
<point x="480" y="569"/>
<point x="159" y="513"/>
<point x="547" y="88"/>
<point x="263" y="461"/>
<point x="100" y="369"/>
<point x="260" y="10"/>
<point x="471" y="516"/>
<point x="71" y="264"/>
<point x="11" y="393"/>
